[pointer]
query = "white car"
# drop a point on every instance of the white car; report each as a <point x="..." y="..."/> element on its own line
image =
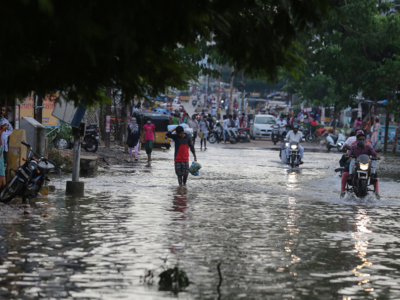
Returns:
<point x="261" y="126"/>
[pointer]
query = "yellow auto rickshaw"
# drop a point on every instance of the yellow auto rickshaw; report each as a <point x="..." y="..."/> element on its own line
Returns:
<point x="161" y="121"/>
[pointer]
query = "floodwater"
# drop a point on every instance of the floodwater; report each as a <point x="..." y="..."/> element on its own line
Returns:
<point x="278" y="234"/>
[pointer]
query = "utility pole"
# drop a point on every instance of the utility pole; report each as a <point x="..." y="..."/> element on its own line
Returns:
<point x="38" y="107"/>
<point x="107" y="137"/>
<point x="219" y="85"/>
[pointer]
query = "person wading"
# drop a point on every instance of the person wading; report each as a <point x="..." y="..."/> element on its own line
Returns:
<point x="133" y="138"/>
<point x="192" y="123"/>
<point x="204" y="129"/>
<point x="149" y="131"/>
<point x="183" y="142"/>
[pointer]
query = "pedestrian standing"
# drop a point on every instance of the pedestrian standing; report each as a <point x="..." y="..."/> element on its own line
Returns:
<point x="183" y="142"/>
<point x="192" y="123"/>
<point x="133" y="138"/>
<point x="375" y="130"/>
<point x="149" y="132"/>
<point x="204" y="129"/>
<point x="5" y="133"/>
<point x="219" y="113"/>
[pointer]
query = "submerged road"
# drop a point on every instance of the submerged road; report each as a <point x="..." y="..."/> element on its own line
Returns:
<point x="279" y="234"/>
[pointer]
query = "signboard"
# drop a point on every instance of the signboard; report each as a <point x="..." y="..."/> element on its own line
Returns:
<point x="66" y="111"/>
<point x="27" y="109"/>
<point x="108" y="123"/>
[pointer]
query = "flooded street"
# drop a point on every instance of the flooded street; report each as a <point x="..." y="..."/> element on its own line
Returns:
<point x="278" y="234"/>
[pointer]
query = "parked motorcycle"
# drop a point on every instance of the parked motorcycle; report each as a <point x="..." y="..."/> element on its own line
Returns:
<point x="308" y="135"/>
<point x="333" y="141"/>
<point x="90" y="142"/>
<point x="275" y="137"/>
<point x="28" y="179"/>
<point x="233" y="136"/>
<point x="243" y="135"/>
<point x="363" y="176"/>
<point x="216" y="133"/>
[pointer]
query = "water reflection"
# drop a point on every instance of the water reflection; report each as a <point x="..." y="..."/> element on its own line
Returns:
<point x="279" y="235"/>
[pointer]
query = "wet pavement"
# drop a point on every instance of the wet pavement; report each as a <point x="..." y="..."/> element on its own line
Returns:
<point x="279" y="234"/>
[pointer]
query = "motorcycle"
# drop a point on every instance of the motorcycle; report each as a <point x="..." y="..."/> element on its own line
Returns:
<point x="233" y="136"/>
<point x="243" y="135"/>
<point x="216" y="134"/>
<point x="28" y="179"/>
<point x="333" y="141"/>
<point x="308" y="135"/>
<point x="363" y="176"/>
<point x="90" y="142"/>
<point x="194" y="103"/>
<point x="294" y="159"/>
<point x="275" y="134"/>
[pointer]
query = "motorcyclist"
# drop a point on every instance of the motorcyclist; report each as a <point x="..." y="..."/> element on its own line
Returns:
<point x="282" y="123"/>
<point x="295" y="136"/>
<point x="357" y="150"/>
<point x="282" y="138"/>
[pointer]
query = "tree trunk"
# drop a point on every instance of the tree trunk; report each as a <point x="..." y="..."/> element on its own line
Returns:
<point x="334" y="119"/>
<point x="102" y="125"/>
<point x="396" y="135"/>
<point x="219" y="85"/>
<point x="243" y="92"/>
<point x="231" y="98"/>
<point x="389" y="96"/>
<point x="116" y="132"/>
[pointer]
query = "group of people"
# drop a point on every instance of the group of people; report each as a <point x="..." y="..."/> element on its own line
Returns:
<point x="371" y="130"/>
<point x="5" y="130"/>
<point x="134" y="136"/>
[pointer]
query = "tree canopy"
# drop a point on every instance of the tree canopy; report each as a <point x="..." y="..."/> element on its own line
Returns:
<point x="356" y="51"/>
<point x="143" y="46"/>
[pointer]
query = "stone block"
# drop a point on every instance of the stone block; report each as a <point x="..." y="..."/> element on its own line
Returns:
<point x="75" y="188"/>
<point x="88" y="166"/>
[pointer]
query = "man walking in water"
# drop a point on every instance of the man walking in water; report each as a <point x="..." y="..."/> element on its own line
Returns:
<point x="183" y="142"/>
<point x="192" y="123"/>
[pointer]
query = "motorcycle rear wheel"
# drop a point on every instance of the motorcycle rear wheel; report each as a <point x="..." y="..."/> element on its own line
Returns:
<point x="233" y="140"/>
<point x="10" y="190"/>
<point x="310" y="138"/>
<point x="91" y="144"/>
<point x="61" y="143"/>
<point x="212" y="139"/>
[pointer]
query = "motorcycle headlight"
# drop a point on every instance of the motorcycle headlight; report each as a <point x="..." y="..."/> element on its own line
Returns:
<point x="287" y="144"/>
<point x="32" y="165"/>
<point x="364" y="167"/>
<point x="293" y="146"/>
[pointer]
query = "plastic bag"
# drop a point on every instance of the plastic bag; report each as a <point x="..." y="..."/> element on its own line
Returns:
<point x="194" y="168"/>
<point x="200" y="134"/>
